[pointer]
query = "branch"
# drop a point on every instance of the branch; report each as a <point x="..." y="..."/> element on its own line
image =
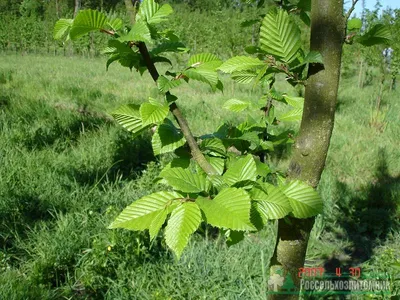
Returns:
<point x="107" y="31"/>
<point x="194" y="148"/>
<point x="353" y="6"/>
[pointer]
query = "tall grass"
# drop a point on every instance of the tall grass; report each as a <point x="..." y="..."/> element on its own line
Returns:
<point x="66" y="170"/>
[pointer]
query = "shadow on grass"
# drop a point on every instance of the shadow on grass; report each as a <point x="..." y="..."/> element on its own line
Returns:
<point x="368" y="216"/>
<point x="61" y="135"/>
<point x="130" y="158"/>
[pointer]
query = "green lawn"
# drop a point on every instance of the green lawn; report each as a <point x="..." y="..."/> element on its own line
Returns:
<point x="67" y="170"/>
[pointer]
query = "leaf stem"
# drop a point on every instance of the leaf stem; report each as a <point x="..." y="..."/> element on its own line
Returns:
<point x="194" y="147"/>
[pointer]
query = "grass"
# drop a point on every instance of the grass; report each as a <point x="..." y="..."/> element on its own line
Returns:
<point x="66" y="171"/>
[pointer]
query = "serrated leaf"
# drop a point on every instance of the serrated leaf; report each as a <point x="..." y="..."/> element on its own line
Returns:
<point x="157" y="223"/>
<point x="153" y="113"/>
<point x="123" y="54"/>
<point x="167" y="138"/>
<point x="164" y="84"/>
<point x="128" y="116"/>
<point x="262" y="169"/>
<point x="141" y="213"/>
<point x="199" y="59"/>
<point x="217" y="181"/>
<point x="185" y="181"/>
<point x="304" y="200"/>
<point x="296" y="102"/>
<point x="152" y="13"/>
<point x="161" y="59"/>
<point x="61" y="28"/>
<point x="279" y="35"/>
<point x="312" y="57"/>
<point x="240" y="63"/>
<point x="379" y="34"/>
<point x="233" y="237"/>
<point x="216" y="162"/>
<point x="169" y="47"/>
<point x="213" y="144"/>
<point x="236" y="105"/>
<point x="230" y="209"/>
<point x="243" y="169"/>
<point x="184" y="221"/>
<point x="115" y="24"/>
<point x="139" y="33"/>
<point x="87" y="20"/>
<point x="207" y="76"/>
<point x="354" y="24"/>
<point x="292" y="115"/>
<point x="244" y="77"/>
<point x="271" y="205"/>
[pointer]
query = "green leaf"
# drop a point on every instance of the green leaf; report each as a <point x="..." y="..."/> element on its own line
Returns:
<point x="217" y="163"/>
<point x="115" y="24"/>
<point x="230" y="209"/>
<point x="164" y="84"/>
<point x="169" y="47"/>
<point x="304" y="200"/>
<point x="244" y="77"/>
<point x="128" y="116"/>
<point x="243" y="169"/>
<point x="217" y="181"/>
<point x="240" y="63"/>
<point x="180" y="162"/>
<point x="214" y="145"/>
<point x="61" y="28"/>
<point x="167" y="138"/>
<point x="354" y="24"/>
<point x="199" y="59"/>
<point x="312" y="57"/>
<point x="185" y="181"/>
<point x="262" y="168"/>
<point x="123" y="54"/>
<point x="292" y="115"/>
<point x="233" y="237"/>
<point x="157" y="223"/>
<point x="152" y="13"/>
<point x="141" y="213"/>
<point x="87" y="20"/>
<point x="271" y="205"/>
<point x="153" y="113"/>
<point x="206" y="76"/>
<point x="279" y="35"/>
<point x="139" y="33"/>
<point x="184" y="220"/>
<point x="379" y="34"/>
<point x="236" y="105"/>
<point x="296" y="102"/>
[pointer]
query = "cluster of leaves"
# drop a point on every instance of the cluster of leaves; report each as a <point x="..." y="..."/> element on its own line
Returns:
<point x="240" y="196"/>
<point x="378" y="34"/>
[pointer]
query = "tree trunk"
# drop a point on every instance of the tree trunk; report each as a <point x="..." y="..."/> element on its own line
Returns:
<point x="77" y="7"/>
<point x="312" y="143"/>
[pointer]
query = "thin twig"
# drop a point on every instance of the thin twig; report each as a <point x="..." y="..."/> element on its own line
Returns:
<point x="110" y="32"/>
<point x="350" y="11"/>
<point x="194" y="147"/>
